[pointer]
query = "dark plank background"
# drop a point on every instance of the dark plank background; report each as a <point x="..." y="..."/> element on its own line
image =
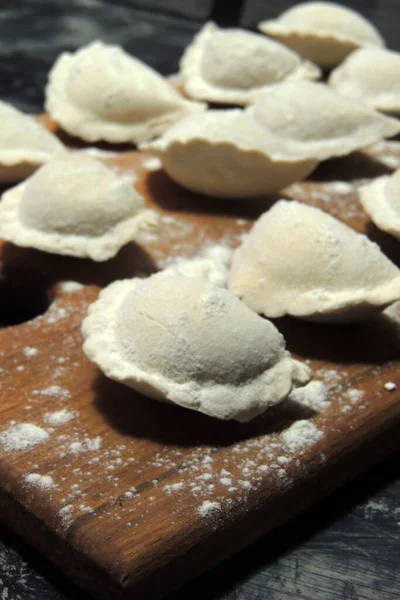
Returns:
<point x="345" y="548"/>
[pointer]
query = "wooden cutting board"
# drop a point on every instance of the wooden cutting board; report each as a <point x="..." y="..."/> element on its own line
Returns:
<point x="146" y="496"/>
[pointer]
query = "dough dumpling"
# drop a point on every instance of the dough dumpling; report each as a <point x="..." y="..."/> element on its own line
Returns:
<point x="312" y="120"/>
<point x="102" y="93"/>
<point x="371" y="75"/>
<point x="24" y="144"/>
<point x="381" y="200"/>
<point x="300" y="261"/>
<point x="230" y="66"/>
<point x="323" y="32"/>
<point x="183" y="340"/>
<point x="227" y="154"/>
<point x="74" y="205"/>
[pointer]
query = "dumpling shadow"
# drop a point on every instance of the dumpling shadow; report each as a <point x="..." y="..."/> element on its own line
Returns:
<point x="132" y="414"/>
<point x="389" y="245"/>
<point x="172" y="197"/>
<point x="17" y="262"/>
<point x="357" y="165"/>
<point x="374" y="341"/>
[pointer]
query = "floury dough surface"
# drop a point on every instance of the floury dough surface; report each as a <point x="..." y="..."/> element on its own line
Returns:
<point x="186" y="341"/>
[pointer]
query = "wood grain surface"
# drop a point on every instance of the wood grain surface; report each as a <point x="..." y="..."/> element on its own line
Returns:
<point x="130" y="475"/>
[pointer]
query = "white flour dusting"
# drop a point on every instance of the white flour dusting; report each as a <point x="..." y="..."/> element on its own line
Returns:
<point x="43" y="482"/>
<point x="211" y="264"/>
<point x="59" y="417"/>
<point x="53" y="390"/>
<point x="354" y="395"/>
<point x="22" y="436"/>
<point x="87" y="445"/>
<point x="390" y="386"/>
<point x="208" y="508"/>
<point x="152" y="164"/>
<point x="71" y="286"/>
<point x="314" y="395"/>
<point x="30" y="351"/>
<point x="300" y="434"/>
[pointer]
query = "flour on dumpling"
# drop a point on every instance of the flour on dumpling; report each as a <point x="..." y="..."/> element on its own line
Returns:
<point x="183" y="340"/>
<point x="74" y="205"/>
<point x="227" y="154"/>
<point x="230" y="66"/>
<point x="381" y="200"/>
<point x="298" y="260"/>
<point x="372" y="76"/>
<point x="309" y="120"/>
<point x="324" y="32"/>
<point x="102" y="93"/>
<point x="24" y="144"/>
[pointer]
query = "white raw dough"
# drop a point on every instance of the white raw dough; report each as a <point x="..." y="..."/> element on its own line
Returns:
<point x="227" y="154"/>
<point x="102" y="93"/>
<point x="381" y="200"/>
<point x="323" y="32"/>
<point x="311" y="120"/>
<point x="182" y="340"/>
<point x="231" y="66"/>
<point x="24" y="144"/>
<point x="74" y="205"/>
<point x="371" y="75"/>
<point x="298" y="260"/>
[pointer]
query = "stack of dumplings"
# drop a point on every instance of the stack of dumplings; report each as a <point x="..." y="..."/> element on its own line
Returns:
<point x="181" y="338"/>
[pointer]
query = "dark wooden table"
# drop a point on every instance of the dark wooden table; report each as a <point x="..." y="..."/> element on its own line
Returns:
<point x="344" y="548"/>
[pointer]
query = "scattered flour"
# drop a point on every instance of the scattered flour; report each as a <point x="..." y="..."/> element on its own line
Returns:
<point x="152" y="164"/>
<point x="354" y="395"/>
<point x="211" y="264"/>
<point x="209" y="508"/>
<point x="174" y="487"/>
<point x="43" y="482"/>
<point x="339" y="187"/>
<point x="314" y="395"/>
<point x="97" y="152"/>
<point x="87" y="445"/>
<point x="22" y="436"/>
<point x="301" y="433"/>
<point x="71" y="286"/>
<point x="59" y="417"/>
<point x="30" y="351"/>
<point x="53" y="390"/>
<point x="390" y="386"/>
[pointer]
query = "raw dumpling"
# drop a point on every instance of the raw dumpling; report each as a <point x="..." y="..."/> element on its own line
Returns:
<point x="24" y="144"/>
<point x="74" y="205"/>
<point x="381" y="200"/>
<point x="103" y="93"/>
<point x="228" y="155"/>
<point x="313" y="121"/>
<point x="230" y="66"/>
<point x="371" y="75"/>
<point x="182" y="340"/>
<point x="298" y="260"/>
<point x="323" y="32"/>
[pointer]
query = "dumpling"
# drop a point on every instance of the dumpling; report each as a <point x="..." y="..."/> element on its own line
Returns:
<point x="183" y="340"/>
<point x="381" y="200"/>
<point x="300" y="261"/>
<point x="103" y="93"/>
<point x="371" y="75"/>
<point x="74" y="205"/>
<point x="314" y="121"/>
<point x="227" y="154"/>
<point x="24" y="144"/>
<point x="323" y="32"/>
<point x="230" y="66"/>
